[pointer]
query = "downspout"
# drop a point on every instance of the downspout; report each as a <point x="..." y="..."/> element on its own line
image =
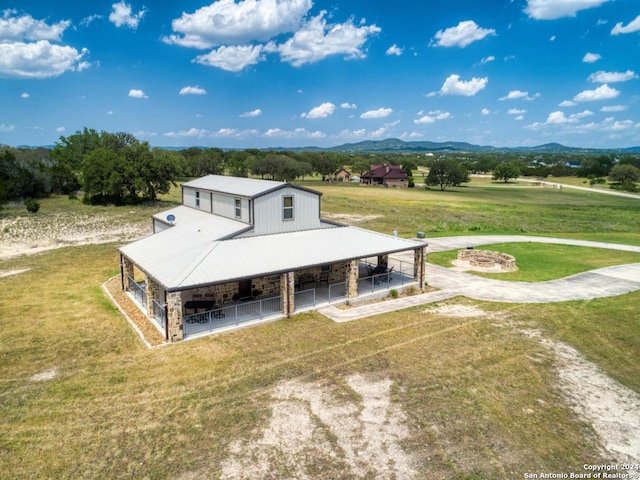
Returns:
<point x="166" y="317"/>
<point x="122" y="272"/>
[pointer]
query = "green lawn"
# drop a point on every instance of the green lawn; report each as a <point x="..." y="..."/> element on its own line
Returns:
<point x="539" y="262"/>
<point x="480" y="399"/>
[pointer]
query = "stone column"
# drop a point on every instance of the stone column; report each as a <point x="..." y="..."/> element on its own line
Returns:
<point x="174" y="311"/>
<point x="153" y="291"/>
<point x="419" y="271"/>
<point x="353" y="273"/>
<point x="287" y="293"/>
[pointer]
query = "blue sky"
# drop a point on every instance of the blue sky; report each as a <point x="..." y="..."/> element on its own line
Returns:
<point x="269" y="73"/>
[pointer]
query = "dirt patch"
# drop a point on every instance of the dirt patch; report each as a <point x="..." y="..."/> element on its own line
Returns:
<point x="357" y="431"/>
<point x="349" y="218"/>
<point x="49" y="374"/>
<point x="612" y="409"/>
<point x="38" y="233"/>
<point x="17" y="271"/>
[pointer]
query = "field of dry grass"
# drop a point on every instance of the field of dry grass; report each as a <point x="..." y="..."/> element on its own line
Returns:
<point x="458" y="390"/>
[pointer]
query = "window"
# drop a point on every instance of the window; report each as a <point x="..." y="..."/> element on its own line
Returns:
<point x="238" y="204"/>
<point x="197" y="199"/>
<point x="287" y="207"/>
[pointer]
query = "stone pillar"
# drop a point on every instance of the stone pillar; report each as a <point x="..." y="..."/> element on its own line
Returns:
<point x="383" y="261"/>
<point x="287" y="293"/>
<point x="353" y="273"/>
<point x="127" y="271"/>
<point x="174" y="311"/>
<point x="153" y="293"/>
<point x="419" y="271"/>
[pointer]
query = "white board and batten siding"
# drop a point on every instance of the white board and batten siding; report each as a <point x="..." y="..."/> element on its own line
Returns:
<point x="269" y="212"/>
<point x="216" y="203"/>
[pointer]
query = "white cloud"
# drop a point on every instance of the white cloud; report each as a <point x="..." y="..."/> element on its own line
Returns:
<point x="321" y="111"/>
<point x="612" y="77"/>
<point x="122" y="15"/>
<point x="591" y="57"/>
<point x="110" y="112"/>
<point x="394" y="50"/>
<point x="6" y="128"/>
<point x="462" y="35"/>
<point x="25" y="95"/>
<point x="227" y="22"/>
<point x="316" y="40"/>
<point x="39" y="59"/>
<point x="618" y="125"/>
<point x="552" y="38"/>
<point x="485" y="111"/>
<point x="454" y="86"/>
<point x="515" y="111"/>
<point x="432" y="117"/>
<point x="60" y="129"/>
<point x="27" y="28"/>
<point x="189" y="90"/>
<point x="614" y="108"/>
<point x="26" y="50"/>
<point x="348" y="106"/>
<point x="411" y="136"/>
<point x="85" y="22"/>
<point x="379" y="113"/>
<point x="519" y="95"/>
<point x="296" y="133"/>
<point x="232" y="58"/>
<point x="567" y="103"/>
<point x="363" y="133"/>
<point x="192" y="132"/>
<point x="488" y="59"/>
<point x="632" y="26"/>
<point x="552" y="9"/>
<point x="556" y="118"/>
<point x="603" y="92"/>
<point x="134" y="93"/>
<point x="253" y="113"/>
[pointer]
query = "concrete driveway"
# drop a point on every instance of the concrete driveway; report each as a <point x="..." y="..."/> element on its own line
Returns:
<point x="603" y="282"/>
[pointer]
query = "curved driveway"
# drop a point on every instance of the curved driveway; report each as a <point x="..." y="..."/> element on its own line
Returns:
<point x="603" y="282"/>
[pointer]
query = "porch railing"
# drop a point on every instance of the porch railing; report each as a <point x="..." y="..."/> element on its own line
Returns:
<point x="231" y="315"/>
<point x="304" y="299"/>
<point x="138" y="291"/>
<point x="158" y="316"/>
<point x="337" y="291"/>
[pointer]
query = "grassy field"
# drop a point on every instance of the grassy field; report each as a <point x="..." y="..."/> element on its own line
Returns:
<point x="81" y="397"/>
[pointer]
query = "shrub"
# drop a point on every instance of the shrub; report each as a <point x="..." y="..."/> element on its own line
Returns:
<point x="32" y="205"/>
<point x="393" y="293"/>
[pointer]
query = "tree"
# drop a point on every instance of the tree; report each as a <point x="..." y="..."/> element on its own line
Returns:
<point x="446" y="173"/>
<point x="624" y="174"/>
<point x="505" y="171"/>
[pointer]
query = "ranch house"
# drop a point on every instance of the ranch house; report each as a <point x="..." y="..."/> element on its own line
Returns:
<point x="239" y="251"/>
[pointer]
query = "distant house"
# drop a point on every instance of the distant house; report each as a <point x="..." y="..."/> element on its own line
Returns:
<point x="342" y="175"/>
<point x="239" y="250"/>
<point x="386" y="175"/>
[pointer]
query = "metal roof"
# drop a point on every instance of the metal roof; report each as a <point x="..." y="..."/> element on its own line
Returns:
<point x="184" y="215"/>
<point x="182" y="258"/>
<point x="243" y="187"/>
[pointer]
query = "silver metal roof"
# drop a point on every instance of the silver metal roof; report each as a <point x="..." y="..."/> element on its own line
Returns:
<point x="244" y="187"/>
<point x="182" y="258"/>
<point x="188" y="215"/>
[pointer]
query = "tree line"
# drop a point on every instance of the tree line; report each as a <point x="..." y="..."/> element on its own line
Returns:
<point x="118" y="168"/>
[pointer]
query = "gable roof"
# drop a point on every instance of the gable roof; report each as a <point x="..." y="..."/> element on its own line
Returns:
<point x="240" y="186"/>
<point x="183" y="257"/>
<point x="386" y="171"/>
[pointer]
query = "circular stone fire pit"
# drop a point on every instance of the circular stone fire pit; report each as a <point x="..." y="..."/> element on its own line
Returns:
<point x="487" y="259"/>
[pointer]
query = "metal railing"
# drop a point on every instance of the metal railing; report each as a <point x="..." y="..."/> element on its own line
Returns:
<point x="231" y="315"/>
<point x="138" y="291"/>
<point x="158" y="315"/>
<point x="304" y="298"/>
<point x="337" y="291"/>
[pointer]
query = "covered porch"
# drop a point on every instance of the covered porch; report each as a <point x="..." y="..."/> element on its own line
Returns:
<point x="191" y="313"/>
